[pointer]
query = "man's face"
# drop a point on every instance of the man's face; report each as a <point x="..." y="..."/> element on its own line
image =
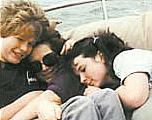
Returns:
<point x="92" y="72"/>
<point x="16" y="47"/>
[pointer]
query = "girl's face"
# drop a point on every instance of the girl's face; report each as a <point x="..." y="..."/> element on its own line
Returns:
<point x="92" y="71"/>
<point x="16" y="47"/>
<point x="39" y="52"/>
<point x="37" y="55"/>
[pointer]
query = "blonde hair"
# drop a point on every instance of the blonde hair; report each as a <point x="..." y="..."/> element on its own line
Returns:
<point x="17" y="13"/>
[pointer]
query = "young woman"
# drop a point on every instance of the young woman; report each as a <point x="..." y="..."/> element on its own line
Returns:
<point x="54" y="69"/>
<point x="21" y="26"/>
<point x="47" y="66"/>
<point x="95" y="59"/>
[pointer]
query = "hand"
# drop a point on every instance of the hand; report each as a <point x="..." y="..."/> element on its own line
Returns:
<point x="90" y="90"/>
<point x="45" y="75"/>
<point x="53" y="24"/>
<point x="68" y="45"/>
<point x="78" y="33"/>
<point x="48" y="110"/>
<point x="72" y="36"/>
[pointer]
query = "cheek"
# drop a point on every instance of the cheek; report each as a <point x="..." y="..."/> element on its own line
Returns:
<point x="97" y="72"/>
<point x="100" y="76"/>
<point x="101" y="71"/>
<point x="9" y="45"/>
<point x="7" y="48"/>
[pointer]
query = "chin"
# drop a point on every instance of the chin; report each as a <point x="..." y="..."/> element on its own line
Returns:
<point x="97" y="84"/>
<point x="15" y="61"/>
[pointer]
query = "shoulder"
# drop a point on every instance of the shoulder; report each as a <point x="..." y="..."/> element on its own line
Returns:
<point x="134" y="54"/>
<point x="131" y="61"/>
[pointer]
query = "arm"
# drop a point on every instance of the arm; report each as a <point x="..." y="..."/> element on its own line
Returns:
<point x="135" y="90"/>
<point x="76" y="34"/>
<point x="36" y="107"/>
<point x="11" y="109"/>
<point x="127" y="25"/>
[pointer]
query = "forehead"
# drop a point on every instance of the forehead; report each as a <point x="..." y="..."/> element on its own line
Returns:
<point x="26" y="32"/>
<point x="81" y="61"/>
<point x="39" y="51"/>
<point x="78" y="58"/>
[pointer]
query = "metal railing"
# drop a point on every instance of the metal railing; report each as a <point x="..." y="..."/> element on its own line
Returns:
<point x="69" y="4"/>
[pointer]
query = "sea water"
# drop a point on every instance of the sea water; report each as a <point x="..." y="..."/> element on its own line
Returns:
<point x="90" y="12"/>
<point x="81" y="14"/>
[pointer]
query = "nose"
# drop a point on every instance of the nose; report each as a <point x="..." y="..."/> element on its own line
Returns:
<point x="44" y="67"/>
<point x="82" y="77"/>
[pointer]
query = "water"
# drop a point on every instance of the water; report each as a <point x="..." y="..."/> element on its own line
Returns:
<point x="77" y="15"/>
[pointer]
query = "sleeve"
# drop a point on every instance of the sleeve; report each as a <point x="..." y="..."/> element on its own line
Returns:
<point x="132" y="61"/>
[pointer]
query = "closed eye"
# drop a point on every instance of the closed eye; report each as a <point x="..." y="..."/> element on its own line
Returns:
<point x="82" y="68"/>
<point x="20" y="39"/>
<point x="31" y="43"/>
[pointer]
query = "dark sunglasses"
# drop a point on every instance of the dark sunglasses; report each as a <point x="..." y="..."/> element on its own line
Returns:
<point x="50" y="60"/>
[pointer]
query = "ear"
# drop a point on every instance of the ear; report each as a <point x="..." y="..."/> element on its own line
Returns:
<point x="99" y="57"/>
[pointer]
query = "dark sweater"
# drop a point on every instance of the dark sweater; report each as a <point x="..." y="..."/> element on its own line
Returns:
<point x="14" y="83"/>
<point x="65" y="83"/>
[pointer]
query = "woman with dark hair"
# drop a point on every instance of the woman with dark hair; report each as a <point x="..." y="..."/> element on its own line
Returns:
<point x="55" y="70"/>
<point x="47" y="66"/>
<point x="95" y="59"/>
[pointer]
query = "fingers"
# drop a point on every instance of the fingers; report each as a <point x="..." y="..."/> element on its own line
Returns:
<point x="49" y="111"/>
<point x="87" y="92"/>
<point x="63" y="49"/>
<point x="58" y="111"/>
<point x="51" y="115"/>
<point x="90" y="90"/>
<point x="48" y="73"/>
<point x="67" y="46"/>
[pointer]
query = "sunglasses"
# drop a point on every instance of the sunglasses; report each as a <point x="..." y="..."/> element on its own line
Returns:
<point x="49" y="60"/>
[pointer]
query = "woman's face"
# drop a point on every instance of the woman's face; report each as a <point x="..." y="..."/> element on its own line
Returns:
<point x="37" y="55"/>
<point x="39" y="52"/>
<point x="16" y="47"/>
<point x="92" y="71"/>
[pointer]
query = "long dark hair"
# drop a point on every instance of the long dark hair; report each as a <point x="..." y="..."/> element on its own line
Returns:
<point x="84" y="47"/>
<point x="55" y="42"/>
<point x="107" y="43"/>
<point x="110" y="46"/>
<point x="53" y="38"/>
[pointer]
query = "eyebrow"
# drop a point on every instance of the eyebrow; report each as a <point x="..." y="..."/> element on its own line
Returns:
<point x="19" y="38"/>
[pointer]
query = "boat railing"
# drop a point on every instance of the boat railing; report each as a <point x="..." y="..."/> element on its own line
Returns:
<point x="69" y="4"/>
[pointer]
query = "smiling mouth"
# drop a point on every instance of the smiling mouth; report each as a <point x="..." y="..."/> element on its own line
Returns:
<point x="18" y="56"/>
